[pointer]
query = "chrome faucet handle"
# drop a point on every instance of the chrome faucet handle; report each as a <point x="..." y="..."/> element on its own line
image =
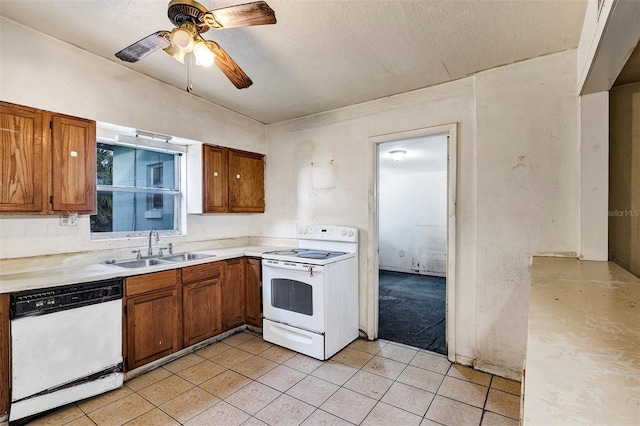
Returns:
<point x="139" y="256"/>
<point x="160" y="253"/>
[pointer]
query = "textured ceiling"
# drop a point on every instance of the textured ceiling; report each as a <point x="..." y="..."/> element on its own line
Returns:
<point x="323" y="54"/>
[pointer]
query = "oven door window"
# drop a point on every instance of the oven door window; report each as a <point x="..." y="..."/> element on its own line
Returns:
<point x="291" y="295"/>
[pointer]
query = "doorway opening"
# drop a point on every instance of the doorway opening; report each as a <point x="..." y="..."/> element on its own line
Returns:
<point x="414" y="226"/>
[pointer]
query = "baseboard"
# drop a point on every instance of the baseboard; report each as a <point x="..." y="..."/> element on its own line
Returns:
<point x="506" y="372"/>
<point x="486" y="367"/>
<point x="413" y="271"/>
<point x="131" y="374"/>
<point x="463" y="360"/>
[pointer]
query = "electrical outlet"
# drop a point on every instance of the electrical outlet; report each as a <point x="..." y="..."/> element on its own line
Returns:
<point x="70" y="219"/>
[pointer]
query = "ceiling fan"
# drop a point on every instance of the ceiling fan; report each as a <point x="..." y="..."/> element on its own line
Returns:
<point x="191" y="20"/>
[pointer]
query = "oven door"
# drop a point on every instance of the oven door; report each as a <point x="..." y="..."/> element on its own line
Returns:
<point x="293" y="294"/>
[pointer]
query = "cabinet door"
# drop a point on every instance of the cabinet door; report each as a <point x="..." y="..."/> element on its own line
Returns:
<point x="202" y="310"/>
<point x="254" y="291"/>
<point x="73" y="169"/>
<point x="23" y="162"/>
<point x="153" y="327"/>
<point x="215" y="179"/>
<point x="233" y="295"/>
<point x="246" y="182"/>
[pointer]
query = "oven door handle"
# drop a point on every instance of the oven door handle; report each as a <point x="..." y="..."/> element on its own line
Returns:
<point x="303" y="267"/>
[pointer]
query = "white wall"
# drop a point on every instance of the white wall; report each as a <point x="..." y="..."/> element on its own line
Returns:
<point x="42" y="72"/>
<point x="528" y="191"/>
<point x="517" y="188"/>
<point x="594" y="175"/>
<point x="413" y="222"/>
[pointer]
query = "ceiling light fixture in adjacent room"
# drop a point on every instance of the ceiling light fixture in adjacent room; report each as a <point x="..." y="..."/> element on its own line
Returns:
<point x="397" y="154"/>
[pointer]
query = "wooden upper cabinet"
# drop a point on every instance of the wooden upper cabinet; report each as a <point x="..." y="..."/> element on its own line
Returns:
<point x="74" y="164"/>
<point x="23" y="165"/>
<point x="246" y="182"/>
<point x="223" y="180"/>
<point x="215" y="175"/>
<point x="47" y="162"/>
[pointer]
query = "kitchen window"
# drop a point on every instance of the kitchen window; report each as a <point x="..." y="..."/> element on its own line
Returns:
<point x="138" y="188"/>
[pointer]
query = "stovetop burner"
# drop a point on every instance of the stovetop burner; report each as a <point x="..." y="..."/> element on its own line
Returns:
<point x="315" y="254"/>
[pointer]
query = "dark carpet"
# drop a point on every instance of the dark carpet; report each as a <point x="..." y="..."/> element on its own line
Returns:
<point x="412" y="310"/>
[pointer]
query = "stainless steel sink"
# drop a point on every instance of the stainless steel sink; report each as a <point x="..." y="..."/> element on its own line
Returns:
<point x="164" y="260"/>
<point x="183" y="257"/>
<point x="141" y="263"/>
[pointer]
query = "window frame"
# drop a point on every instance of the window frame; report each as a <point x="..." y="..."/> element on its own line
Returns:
<point x="180" y="209"/>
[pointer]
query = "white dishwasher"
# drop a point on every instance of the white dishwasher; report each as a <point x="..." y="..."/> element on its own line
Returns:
<point x="66" y="345"/>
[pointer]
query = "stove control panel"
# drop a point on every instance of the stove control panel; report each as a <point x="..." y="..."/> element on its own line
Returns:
<point x="328" y="233"/>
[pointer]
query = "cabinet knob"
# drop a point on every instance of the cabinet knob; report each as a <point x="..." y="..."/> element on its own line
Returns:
<point x="215" y="173"/>
<point x="237" y="176"/>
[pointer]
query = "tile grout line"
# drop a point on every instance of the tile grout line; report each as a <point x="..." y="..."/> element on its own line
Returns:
<point x="306" y="374"/>
<point x="436" y="392"/>
<point x="486" y="399"/>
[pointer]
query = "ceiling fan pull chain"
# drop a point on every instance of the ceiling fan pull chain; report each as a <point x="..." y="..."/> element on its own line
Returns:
<point x="189" y="85"/>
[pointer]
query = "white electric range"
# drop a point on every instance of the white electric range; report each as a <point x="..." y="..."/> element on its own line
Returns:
<point x="310" y="294"/>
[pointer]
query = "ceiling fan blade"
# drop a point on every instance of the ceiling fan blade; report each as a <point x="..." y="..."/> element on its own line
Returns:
<point x="242" y="15"/>
<point x="144" y="47"/>
<point x="229" y="67"/>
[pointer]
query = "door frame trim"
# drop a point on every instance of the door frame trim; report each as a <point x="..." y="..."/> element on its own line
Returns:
<point x="373" y="222"/>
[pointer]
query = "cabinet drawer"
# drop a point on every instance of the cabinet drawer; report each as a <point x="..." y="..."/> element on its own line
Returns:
<point x="150" y="282"/>
<point x="201" y="272"/>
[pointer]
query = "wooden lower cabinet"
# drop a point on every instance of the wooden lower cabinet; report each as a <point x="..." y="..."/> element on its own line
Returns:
<point x="153" y="317"/>
<point x="167" y="311"/>
<point x="233" y="294"/>
<point x="201" y="302"/>
<point x="253" y="290"/>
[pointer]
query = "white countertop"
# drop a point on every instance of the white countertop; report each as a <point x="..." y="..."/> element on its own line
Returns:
<point x="583" y="348"/>
<point x="51" y="277"/>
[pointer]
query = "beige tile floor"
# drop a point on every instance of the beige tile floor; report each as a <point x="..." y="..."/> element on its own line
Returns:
<point x="244" y="380"/>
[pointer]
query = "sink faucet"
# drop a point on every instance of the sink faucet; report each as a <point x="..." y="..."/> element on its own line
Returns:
<point x="150" y="251"/>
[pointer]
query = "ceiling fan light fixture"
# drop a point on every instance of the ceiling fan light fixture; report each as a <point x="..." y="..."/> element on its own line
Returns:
<point x="175" y="52"/>
<point x="182" y="38"/>
<point x="397" y="154"/>
<point x="204" y="55"/>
